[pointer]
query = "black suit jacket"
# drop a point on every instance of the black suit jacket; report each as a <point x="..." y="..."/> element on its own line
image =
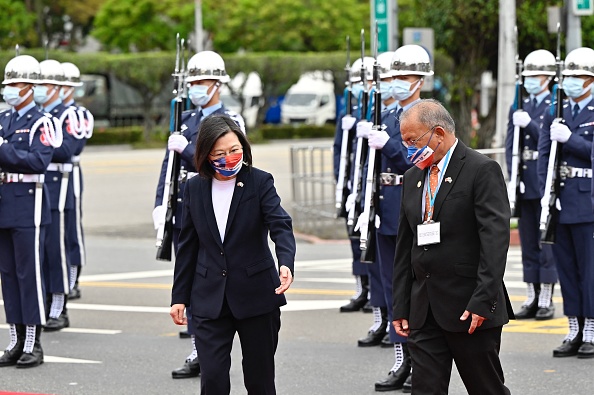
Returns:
<point x="241" y="269"/>
<point x="464" y="271"/>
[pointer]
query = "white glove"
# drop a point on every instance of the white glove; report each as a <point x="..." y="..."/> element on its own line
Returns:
<point x="521" y="119"/>
<point x="177" y="143"/>
<point x="350" y="202"/>
<point x="362" y="223"/>
<point x="544" y="202"/>
<point x="378" y="138"/>
<point x="378" y="222"/>
<point x="1" y="140"/>
<point x="560" y="132"/>
<point x="159" y="216"/>
<point x="363" y="129"/>
<point x="348" y="121"/>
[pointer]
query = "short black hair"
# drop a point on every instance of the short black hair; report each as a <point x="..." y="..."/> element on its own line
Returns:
<point x="211" y="129"/>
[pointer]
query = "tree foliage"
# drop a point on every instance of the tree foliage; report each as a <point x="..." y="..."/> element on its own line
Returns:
<point x="16" y="24"/>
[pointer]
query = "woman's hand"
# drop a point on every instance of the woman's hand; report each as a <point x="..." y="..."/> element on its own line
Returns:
<point x="286" y="278"/>
<point x="177" y="313"/>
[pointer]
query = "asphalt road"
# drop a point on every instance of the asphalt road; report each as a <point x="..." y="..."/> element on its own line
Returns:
<point x="122" y="340"/>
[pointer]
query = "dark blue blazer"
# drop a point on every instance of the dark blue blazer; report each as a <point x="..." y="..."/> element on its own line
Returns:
<point x="528" y="141"/>
<point x="576" y="205"/>
<point x="241" y="269"/>
<point x="17" y="199"/>
<point x="190" y="124"/>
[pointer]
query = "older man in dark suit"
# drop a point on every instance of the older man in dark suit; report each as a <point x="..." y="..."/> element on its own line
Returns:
<point x="453" y="237"/>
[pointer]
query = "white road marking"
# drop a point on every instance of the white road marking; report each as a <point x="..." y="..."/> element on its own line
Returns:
<point x="82" y="330"/>
<point x="52" y="359"/>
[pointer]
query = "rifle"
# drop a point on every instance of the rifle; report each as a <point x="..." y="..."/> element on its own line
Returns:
<point x="514" y="186"/>
<point x="549" y="215"/>
<point x="361" y="153"/>
<point x="170" y="190"/>
<point x="368" y="236"/>
<point x="344" y="167"/>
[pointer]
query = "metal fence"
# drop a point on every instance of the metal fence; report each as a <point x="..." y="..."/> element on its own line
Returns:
<point x="313" y="189"/>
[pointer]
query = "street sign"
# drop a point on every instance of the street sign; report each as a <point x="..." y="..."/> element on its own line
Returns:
<point x="583" y="7"/>
<point x="424" y="37"/>
<point x="383" y="11"/>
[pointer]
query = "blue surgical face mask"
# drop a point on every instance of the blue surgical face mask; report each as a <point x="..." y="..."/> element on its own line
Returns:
<point x="356" y="90"/>
<point x="385" y="89"/>
<point x="574" y="87"/>
<point x="12" y="95"/>
<point x="41" y="94"/>
<point x="400" y="89"/>
<point x="199" y="94"/>
<point x="65" y="91"/>
<point x="533" y="85"/>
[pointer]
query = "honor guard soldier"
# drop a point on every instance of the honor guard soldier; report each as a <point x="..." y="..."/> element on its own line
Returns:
<point x="361" y="298"/>
<point x="408" y="65"/>
<point x="377" y="331"/>
<point x="538" y="263"/>
<point x="206" y="74"/>
<point x="75" y="236"/>
<point x="56" y="267"/>
<point x="25" y="152"/>
<point x="573" y="247"/>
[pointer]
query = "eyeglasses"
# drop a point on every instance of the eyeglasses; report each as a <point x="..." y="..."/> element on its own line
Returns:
<point x="220" y="154"/>
<point x="414" y="142"/>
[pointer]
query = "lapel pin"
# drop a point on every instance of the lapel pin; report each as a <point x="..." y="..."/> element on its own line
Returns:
<point x="448" y="179"/>
<point x="240" y="184"/>
<point x="419" y="184"/>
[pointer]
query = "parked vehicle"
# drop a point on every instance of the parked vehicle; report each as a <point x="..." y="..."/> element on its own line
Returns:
<point x="247" y="91"/>
<point x="311" y="100"/>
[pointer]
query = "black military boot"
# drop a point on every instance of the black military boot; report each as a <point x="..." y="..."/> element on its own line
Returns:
<point x="35" y="357"/>
<point x="358" y="302"/>
<point x="396" y="378"/>
<point x="56" y="324"/>
<point x="407" y="386"/>
<point x="570" y="347"/>
<point x="528" y="310"/>
<point x="546" y="308"/>
<point x="374" y="337"/>
<point x="190" y="369"/>
<point x="10" y="357"/>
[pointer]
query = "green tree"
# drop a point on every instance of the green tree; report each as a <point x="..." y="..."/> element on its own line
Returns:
<point x="16" y="24"/>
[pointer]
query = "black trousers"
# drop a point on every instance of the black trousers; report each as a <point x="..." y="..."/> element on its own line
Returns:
<point x="258" y="337"/>
<point x="477" y="358"/>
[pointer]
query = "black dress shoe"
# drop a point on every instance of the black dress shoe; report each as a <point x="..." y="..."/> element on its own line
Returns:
<point x="527" y="311"/>
<point x="56" y="324"/>
<point x="184" y="334"/>
<point x="367" y="308"/>
<point x="10" y="358"/>
<point x="394" y="381"/>
<point x="373" y="338"/>
<point x="386" y="343"/>
<point x="407" y="386"/>
<point x="568" y="348"/>
<point x="545" y="313"/>
<point x="586" y="350"/>
<point x="354" y="305"/>
<point x="74" y="293"/>
<point x="31" y="359"/>
<point x="190" y="369"/>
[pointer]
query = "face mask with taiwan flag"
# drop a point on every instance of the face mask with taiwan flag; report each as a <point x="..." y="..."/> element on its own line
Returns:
<point x="421" y="157"/>
<point x="228" y="165"/>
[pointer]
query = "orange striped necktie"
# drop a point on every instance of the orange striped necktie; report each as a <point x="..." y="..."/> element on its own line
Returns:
<point x="433" y="179"/>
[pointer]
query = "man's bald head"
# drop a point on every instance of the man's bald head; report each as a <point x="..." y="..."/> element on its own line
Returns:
<point x="430" y="112"/>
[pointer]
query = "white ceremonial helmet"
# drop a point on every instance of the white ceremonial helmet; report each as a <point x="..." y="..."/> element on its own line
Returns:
<point x="51" y="72"/>
<point x="207" y="65"/>
<point x="71" y="74"/>
<point x="580" y="61"/>
<point x="22" y="68"/>
<point x="411" y="60"/>
<point x="356" y="69"/>
<point x="539" y="62"/>
<point x="385" y="64"/>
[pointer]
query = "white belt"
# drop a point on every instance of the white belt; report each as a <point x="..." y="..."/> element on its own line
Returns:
<point x="62" y="167"/>
<point x="18" y="177"/>
<point x="186" y="175"/>
<point x="391" y="179"/>
<point x="572" y="172"/>
<point x="529" y="154"/>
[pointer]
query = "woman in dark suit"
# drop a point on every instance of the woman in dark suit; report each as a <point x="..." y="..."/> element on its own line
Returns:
<point x="224" y="268"/>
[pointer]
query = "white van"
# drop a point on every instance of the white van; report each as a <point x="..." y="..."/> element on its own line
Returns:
<point x="251" y="90"/>
<point x="311" y="100"/>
